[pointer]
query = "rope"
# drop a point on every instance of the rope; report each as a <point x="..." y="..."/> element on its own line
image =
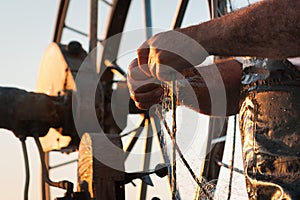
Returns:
<point x="254" y="146"/>
<point x="174" y="130"/>
<point x="232" y="159"/>
<point x="185" y="162"/>
<point x="162" y="144"/>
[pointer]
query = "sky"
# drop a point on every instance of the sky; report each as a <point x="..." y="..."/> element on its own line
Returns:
<point x="26" y="31"/>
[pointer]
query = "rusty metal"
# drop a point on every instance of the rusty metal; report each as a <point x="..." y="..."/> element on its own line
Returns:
<point x="147" y="18"/>
<point x="107" y="179"/>
<point x="67" y="65"/>
<point x="60" y="20"/>
<point x="269" y="127"/>
<point x="148" y="148"/>
<point x="58" y="69"/>
<point x="214" y="9"/>
<point x="116" y="22"/>
<point x="180" y="13"/>
<point x="216" y="128"/>
<point x="44" y="185"/>
<point x="93" y="33"/>
<point x="135" y="138"/>
<point x="80" y="32"/>
<point x="115" y="26"/>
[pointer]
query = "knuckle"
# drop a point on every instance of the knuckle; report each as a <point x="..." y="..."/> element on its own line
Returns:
<point x="140" y="106"/>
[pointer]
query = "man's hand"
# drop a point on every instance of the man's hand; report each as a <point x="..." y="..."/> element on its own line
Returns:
<point x="168" y="53"/>
<point x="144" y="89"/>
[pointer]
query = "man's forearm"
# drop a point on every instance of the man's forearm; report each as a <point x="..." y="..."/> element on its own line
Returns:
<point x="270" y="28"/>
<point x="199" y="98"/>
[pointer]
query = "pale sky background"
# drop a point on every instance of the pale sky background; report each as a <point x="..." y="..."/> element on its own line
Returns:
<point x="26" y="30"/>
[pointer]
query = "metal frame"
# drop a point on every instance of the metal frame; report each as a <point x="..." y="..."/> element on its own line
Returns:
<point x="115" y="25"/>
<point x="60" y="20"/>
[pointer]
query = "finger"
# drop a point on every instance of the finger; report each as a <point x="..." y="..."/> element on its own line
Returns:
<point x="144" y="89"/>
<point x="166" y="73"/>
<point x="145" y="100"/>
<point x="135" y="73"/>
<point x="135" y="84"/>
<point x="145" y="106"/>
<point x="153" y="62"/>
<point x="148" y="97"/>
<point x="148" y="87"/>
<point x="143" y="56"/>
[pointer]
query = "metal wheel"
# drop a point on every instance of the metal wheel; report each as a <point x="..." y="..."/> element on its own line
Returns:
<point x="60" y="66"/>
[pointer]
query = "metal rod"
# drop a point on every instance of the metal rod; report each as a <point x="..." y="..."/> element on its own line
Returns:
<point x="80" y="32"/>
<point x="93" y="24"/>
<point x="147" y="18"/>
<point x="114" y="65"/>
<point x="214" y="9"/>
<point x="61" y="184"/>
<point x="180" y="13"/>
<point x="63" y="164"/>
<point x="218" y="140"/>
<point x="135" y="138"/>
<point x="45" y="186"/>
<point x="60" y="20"/>
<point x="210" y="168"/>
<point x="129" y="132"/>
<point x="27" y="172"/>
<point x="230" y="5"/>
<point x="148" y="148"/>
<point x="217" y="127"/>
<point x="240" y="171"/>
<point x="106" y="2"/>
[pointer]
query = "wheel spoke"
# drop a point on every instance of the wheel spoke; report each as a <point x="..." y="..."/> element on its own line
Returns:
<point x="106" y="2"/>
<point x="79" y="32"/>
<point x="148" y="148"/>
<point x="180" y="13"/>
<point x="135" y="138"/>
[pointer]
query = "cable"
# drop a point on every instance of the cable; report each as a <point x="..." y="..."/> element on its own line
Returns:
<point x="27" y="172"/>
<point x="61" y="184"/>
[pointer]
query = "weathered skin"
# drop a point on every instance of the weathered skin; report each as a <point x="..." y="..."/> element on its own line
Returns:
<point x="147" y="91"/>
<point x="269" y="124"/>
<point x="270" y="28"/>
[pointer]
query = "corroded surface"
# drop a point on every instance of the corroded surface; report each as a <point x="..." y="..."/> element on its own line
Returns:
<point x="269" y="123"/>
<point x="101" y="166"/>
